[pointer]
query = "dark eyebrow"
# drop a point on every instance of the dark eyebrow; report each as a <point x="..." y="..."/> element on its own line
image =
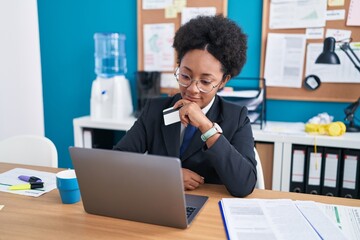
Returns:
<point x="203" y="74"/>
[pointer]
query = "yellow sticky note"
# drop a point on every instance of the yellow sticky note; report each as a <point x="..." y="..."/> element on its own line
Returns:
<point x="336" y="2"/>
<point x="179" y="4"/>
<point x="170" y="12"/>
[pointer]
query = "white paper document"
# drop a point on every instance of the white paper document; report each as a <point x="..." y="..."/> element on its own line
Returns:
<point x="287" y="219"/>
<point x="265" y="219"/>
<point x="345" y="72"/>
<point x="338" y="34"/>
<point x="332" y="15"/>
<point x="346" y="218"/>
<point x="354" y="13"/>
<point x="11" y="178"/>
<point x="158" y="52"/>
<point x="189" y="13"/>
<point x="325" y="226"/>
<point x="297" y="14"/>
<point x="314" y="33"/>
<point x="155" y="4"/>
<point x="284" y="61"/>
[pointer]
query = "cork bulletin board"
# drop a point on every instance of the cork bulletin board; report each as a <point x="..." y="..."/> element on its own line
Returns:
<point x="154" y="16"/>
<point x="327" y="92"/>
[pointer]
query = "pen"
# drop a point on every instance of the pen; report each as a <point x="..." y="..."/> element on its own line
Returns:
<point x="27" y="186"/>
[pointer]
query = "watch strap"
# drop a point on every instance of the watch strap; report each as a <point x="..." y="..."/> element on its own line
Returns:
<point x="208" y="134"/>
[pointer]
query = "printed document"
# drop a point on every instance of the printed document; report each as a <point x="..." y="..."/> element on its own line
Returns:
<point x="346" y="218"/>
<point x="297" y="14"/>
<point x="287" y="219"/>
<point x="345" y="72"/>
<point x="354" y="13"/>
<point x="155" y="4"/>
<point x="158" y="52"/>
<point x="325" y="226"/>
<point x="189" y="13"/>
<point x="265" y="219"/>
<point x="284" y="61"/>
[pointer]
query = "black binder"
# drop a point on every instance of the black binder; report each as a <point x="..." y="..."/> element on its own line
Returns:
<point x="350" y="174"/>
<point x="331" y="177"/>
<point x="297" y="176"/>
<point x="314" y="170"/>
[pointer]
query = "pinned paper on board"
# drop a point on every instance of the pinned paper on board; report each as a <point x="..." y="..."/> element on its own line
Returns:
<point x="158" y="52"/>
<point x="338" y="34"/>
<point x="332" y="15"/>
<point x="354" y="13"/>
<point x="155" y="4"/>
<point x="291" y="14"/>
<point x="345" y="72"/>
<point x="192" y="12"/>
<point x="170" y="12"/>
<point x="333" y="3"/>
<point x="314" y="33"/>
<point x="284" y="61"/>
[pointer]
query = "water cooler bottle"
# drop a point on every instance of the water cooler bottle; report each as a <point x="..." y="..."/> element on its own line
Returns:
<point x="110" y="92"/>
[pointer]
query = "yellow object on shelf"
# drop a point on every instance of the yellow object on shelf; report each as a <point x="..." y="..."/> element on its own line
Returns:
<point x="331" y="129"/>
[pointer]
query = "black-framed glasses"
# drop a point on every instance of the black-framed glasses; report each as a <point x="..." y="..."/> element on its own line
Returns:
<point x="204" y="85"/>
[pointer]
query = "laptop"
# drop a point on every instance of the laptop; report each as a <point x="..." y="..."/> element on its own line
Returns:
<point x="133" y="186"/>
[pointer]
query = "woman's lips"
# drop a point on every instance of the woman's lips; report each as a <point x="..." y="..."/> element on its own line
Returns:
<point x="192" y="99"/>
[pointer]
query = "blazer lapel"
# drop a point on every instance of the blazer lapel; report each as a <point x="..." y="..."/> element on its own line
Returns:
<point x="214" y="115"/>
<point x="171" y="134"/>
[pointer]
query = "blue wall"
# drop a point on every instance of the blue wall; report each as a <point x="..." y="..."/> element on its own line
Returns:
<point x="67" y="48"/>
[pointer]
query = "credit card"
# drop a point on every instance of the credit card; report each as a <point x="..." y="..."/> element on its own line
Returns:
<point x="171" y="116"/>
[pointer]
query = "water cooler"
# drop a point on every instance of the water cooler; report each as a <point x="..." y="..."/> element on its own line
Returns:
<point x="110" y="91"/>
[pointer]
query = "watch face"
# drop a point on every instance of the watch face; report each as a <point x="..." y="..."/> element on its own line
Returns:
<point x="218" y="128"/>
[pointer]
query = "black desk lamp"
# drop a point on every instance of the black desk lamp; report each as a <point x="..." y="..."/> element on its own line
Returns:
<point x="328" y="56"/>
<point x="350" y="112"/>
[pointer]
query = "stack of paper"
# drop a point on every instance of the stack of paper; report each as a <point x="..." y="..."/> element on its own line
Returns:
<point x="280" y="219"/>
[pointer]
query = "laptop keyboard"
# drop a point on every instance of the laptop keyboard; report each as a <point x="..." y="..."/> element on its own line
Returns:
<point x="189" y="211"/>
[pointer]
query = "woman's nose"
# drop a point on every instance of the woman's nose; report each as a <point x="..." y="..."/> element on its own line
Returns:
<point x="193" y="87"/>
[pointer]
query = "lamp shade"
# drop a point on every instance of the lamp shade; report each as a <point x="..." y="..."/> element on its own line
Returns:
<point x="328" y="56"/>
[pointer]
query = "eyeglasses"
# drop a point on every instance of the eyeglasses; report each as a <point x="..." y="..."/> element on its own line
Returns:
<point x="204" y="85"/>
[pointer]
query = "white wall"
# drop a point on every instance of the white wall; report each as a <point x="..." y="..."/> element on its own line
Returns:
<point x="21" y="100"/>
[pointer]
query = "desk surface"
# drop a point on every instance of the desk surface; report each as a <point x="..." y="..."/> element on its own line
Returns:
<point x="46" y="217"/>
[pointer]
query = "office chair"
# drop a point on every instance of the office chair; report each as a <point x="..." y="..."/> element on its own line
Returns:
<point x="260" y="184"/>
<point x="30" y="150"/>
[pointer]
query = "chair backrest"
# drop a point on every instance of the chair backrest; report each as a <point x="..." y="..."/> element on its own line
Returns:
<point x="260" y="184"/>
<point x="30" y="150"/>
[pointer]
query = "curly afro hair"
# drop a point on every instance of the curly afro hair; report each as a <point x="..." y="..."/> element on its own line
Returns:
<point x="220" y="36"/>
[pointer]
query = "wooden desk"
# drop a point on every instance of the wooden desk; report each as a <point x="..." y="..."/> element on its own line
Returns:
<point x="46" y="217"/>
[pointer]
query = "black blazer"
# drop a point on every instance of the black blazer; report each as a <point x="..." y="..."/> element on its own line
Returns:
<point x="230" y="161"/>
